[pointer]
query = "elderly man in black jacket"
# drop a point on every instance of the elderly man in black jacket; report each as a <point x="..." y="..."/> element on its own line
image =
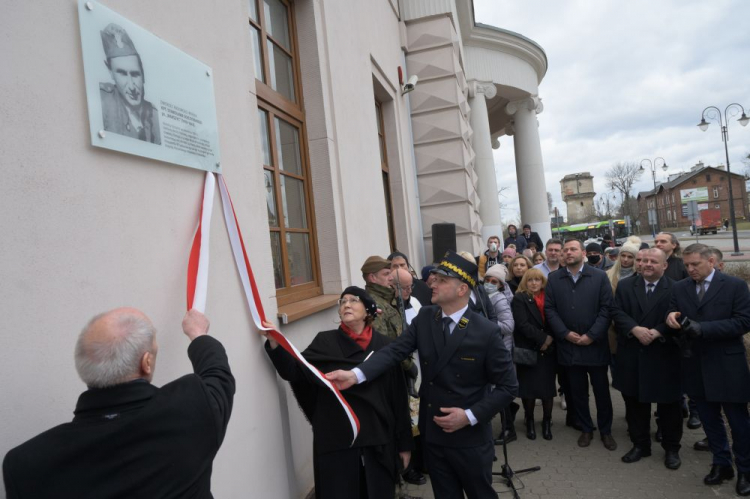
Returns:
<point x="648" y="360"/>
<point x="129" y="438"/>
<point x="577" y="306"/>
<point x="461" y="354"/>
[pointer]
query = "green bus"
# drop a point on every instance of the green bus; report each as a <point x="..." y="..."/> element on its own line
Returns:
<point x="590" y="230"/>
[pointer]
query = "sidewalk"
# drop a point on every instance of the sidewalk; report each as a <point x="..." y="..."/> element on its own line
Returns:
<point x="569" y="471"/>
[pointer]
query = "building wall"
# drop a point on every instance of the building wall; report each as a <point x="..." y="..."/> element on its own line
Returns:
<point x="579" y="198"/>
<point x="86" y="230"/>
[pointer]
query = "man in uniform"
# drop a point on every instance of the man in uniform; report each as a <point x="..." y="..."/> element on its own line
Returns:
<point x="125" y="111"/>
<point x="461" y="354"/>
<point x="376" y="272"/>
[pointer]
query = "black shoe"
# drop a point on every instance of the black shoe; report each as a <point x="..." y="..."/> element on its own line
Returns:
<point x="743" y="484"/>
<point x="635" y="454"/>
<point x="530" y="430"/>
<point x="702" y="445"/>
<point x="718" y="474"/>
<point x="672" y="460"/>
<point x="507" y="437"/>
<point x="658" y="436"/>
<point x="414" y="477"/>
<point x="547" y="429"/>
<point x="694" y="422"/>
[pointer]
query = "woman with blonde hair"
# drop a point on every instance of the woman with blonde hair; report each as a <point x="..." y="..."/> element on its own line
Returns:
<point x="534" y="354"/>
<point x="517" y="268"/>
<point x="625" y="264"/>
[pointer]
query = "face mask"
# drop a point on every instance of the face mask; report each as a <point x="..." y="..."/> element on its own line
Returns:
<point x="594" y="259"/>
<point x="490" y="288"/>
<point x="493" y="247"/>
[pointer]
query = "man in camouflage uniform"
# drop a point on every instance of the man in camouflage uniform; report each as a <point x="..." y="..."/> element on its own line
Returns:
<point x="376" y="272"/>
<point x="125" y="111"/>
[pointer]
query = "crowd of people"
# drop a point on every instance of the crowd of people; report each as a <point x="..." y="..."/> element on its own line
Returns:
<point x="427" y="361"/>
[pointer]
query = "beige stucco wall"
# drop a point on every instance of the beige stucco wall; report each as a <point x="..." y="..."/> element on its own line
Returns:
<point x="85" y="230"/>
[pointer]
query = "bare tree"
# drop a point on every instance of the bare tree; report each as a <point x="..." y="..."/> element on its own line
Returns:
<point x="621" y="178"/>
<point x="500" y="193"/>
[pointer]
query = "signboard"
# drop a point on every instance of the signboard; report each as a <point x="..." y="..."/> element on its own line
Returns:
<point x="696" y="194"/>
<point x="145" y="97"/>
<point x="701" y="207"/>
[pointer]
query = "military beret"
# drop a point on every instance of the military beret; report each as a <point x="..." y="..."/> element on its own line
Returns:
<point x="374" y="264"/>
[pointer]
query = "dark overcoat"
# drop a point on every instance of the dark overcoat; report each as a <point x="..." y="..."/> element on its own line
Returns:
<point x="531" y="332"/>
<point x="454" y="374"/>
<point x="133" y="439"/>
<point x="650" y="373"/>
<point x="717" y="370"/>
<point x="676" y="268"/>
<point x="584" y="308"/>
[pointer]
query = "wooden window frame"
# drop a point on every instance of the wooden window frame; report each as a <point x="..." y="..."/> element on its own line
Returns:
<point x="276" y="105"/>
<point x="386" y="176"/>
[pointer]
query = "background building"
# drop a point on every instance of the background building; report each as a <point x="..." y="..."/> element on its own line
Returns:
<point x="327" y="162"/>
<point x="578" y="195"/>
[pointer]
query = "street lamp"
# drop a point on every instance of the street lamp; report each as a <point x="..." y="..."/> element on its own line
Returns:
<point x="715" y="114"/>
<point x="653" y="166"/>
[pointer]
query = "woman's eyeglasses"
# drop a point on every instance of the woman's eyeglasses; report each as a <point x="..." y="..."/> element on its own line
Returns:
<point x="345" y="301"/>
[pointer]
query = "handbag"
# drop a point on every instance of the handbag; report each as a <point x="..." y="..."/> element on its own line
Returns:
<point x="525" y="356"/>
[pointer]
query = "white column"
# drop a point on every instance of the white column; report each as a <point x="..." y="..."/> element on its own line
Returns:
<point x="484" y="163"/>
<point x="532" y="188"/>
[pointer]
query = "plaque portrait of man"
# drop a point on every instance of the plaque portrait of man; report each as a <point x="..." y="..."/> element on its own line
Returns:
<point x="124" y="108"/>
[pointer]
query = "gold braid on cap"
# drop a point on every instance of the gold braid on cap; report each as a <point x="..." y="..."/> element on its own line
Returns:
<point x="458" y="270"/>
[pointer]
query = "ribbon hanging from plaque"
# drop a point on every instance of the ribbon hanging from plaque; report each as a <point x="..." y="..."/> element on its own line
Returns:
<point x="198" y="280"/>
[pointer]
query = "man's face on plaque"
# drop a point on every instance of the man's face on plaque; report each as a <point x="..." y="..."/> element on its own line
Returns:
<point x="128" y="77"/>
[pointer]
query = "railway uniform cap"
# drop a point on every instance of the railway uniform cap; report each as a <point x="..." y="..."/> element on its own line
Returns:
<point x="454" y="265"/>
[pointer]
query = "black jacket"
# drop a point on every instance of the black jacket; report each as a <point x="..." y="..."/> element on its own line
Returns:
<point x="675" y="268"/>
<point x="456" y="374"/>
<point x="717" y="371"/>
<point x="133" y="439"/>
<point x="651" y="373"/>
<point x="534" y="238"/>
<point x="530" y="329"/>
<point x="584" y="308"/>
<point x="483" y="305"/>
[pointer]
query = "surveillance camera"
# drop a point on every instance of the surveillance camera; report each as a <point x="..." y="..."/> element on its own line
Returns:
<point x="410" y="84"/>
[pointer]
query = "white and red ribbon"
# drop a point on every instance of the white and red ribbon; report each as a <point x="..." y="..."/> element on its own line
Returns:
<point x="198" y="280"/>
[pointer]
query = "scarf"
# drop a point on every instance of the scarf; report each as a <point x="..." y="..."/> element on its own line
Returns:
<point x="362" y="339"/>
<point x="626" y="272"/>
<point x="539" y="299"/>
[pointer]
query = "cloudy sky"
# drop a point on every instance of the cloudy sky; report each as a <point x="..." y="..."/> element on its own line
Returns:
<point x="628" y="81"/>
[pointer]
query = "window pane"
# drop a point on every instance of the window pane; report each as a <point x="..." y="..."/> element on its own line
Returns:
<point x="298" y="248"/>
<point x="277" y="22"/>
<point x="282" y="75"/>
<point x="273" y="220"/>
<point x="253" y="10"/>
<point x="382" y="149"/>
<point x="293" y="202"/>
<point x="287" y="143"/>
<point x="265" y="139"/>
<point x="278" y="271"/>
<point x="255" y="37"/>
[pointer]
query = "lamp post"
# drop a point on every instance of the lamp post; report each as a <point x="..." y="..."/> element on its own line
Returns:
<point x="715" y="114"/>
<point x="653" y="166"/>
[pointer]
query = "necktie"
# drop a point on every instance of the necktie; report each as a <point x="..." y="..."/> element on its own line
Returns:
<point x="447" y="321"/>
<point x="650" y="290"/>
<point x="701" y="290"/>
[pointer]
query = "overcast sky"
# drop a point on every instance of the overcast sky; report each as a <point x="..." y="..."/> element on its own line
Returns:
<point x="628" y="81"/>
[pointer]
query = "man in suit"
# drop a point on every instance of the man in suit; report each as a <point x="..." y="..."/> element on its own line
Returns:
<point x="577" y="307"/>
<point x="532" y="237"/>
<point x="645" y="354"/>
<point x="461" y="354"/>
<point x="712" y="310"/>
<point x="129" y="438"/>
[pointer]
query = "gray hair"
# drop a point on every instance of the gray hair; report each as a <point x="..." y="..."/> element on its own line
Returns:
<point x="704" y="251"/>
<point x="117" y="359"/>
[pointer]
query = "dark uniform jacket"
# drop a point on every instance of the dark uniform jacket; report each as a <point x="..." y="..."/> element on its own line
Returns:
<point x="133" y="439"/>
<point x="651" y="373"/>
<point x="717" y="370"/>
<point x="117" y="120"/>
<point x="582" y="307"/>
<point x="454" y="374"/>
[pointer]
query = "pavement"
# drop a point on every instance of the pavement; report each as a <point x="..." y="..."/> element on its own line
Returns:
<point x="568" y="471"/>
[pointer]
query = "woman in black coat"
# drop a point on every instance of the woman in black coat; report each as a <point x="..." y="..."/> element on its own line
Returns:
<point x="369" y="467"/>
<point x="534" y="381"/>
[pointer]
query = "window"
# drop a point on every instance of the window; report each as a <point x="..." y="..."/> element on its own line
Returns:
<point x="281" y="125"/>
<point x="708" y="177"/>
<point x="716" y="193"/>
<point x="385" y="173"/>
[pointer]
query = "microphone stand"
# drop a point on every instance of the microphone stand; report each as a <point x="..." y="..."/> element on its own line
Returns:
<point x="506" y="471"/>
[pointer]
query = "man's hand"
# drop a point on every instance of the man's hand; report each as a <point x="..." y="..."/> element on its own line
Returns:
<point x="263" y="333"/>
<point x="405" y="458"/>
<point x="672" y="320"/>
<point x="195" y="324"/>
<point x="642" y="334"/>
<point x="454" y="420"/>
<point x="342" y="379"/>
<point x="573" y="337"/>
<point x="584" y="340"/>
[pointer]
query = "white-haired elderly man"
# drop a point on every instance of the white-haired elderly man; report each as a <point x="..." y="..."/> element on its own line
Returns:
<point x="129" y="438"/>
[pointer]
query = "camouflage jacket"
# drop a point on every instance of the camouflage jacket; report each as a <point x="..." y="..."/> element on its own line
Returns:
<point x="389" y="322"/>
